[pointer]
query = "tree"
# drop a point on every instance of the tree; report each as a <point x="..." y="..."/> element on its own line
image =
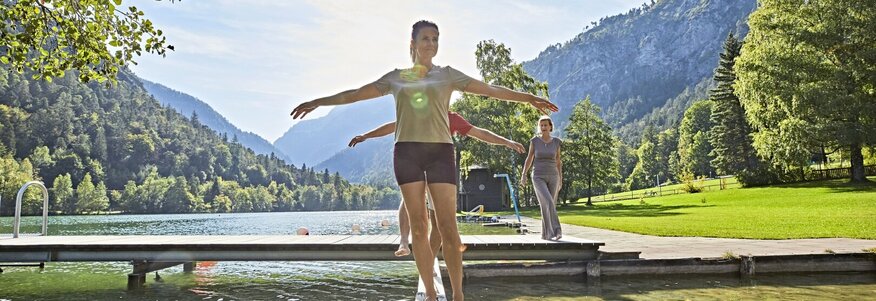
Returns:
<point x="95" y="38"/>
<point x="588" y="151"/>
<point x="512" y="120"/>
<point x="646" y="167"/>
<point x="90" y="198"/>
<point x="178" y="199"/>
<point x="666" y="152"/>
<point x="806" y="78"/>
<point x="626" y="156"/>
<point x="694" y="151"/>
<point x="62" y="194"/>
<point x="732" y="148"/>
<point x="101" y="200"/>
<point x="12" y="175"/>
<point x="41" y="158"/>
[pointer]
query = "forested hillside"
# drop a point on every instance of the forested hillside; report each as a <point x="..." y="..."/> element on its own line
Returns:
<point x="101" y="148"/>
<point x="188" y="105"/>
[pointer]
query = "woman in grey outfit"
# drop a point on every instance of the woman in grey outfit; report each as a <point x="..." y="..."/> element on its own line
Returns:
<point x="547" y="176"/>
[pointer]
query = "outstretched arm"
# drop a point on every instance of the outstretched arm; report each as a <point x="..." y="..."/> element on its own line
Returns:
<point x="383" y="130"/>
<point x="487" y="136"/>
<point x="482" y="88"/>
<point x="347" y="97"/>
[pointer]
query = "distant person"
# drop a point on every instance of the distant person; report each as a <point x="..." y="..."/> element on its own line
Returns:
<point x="547" y="176"/>
<point x="458" y="126"/>
<point x="423" y="146"/>
<point x="356" y="229"/>
<point x="303" y="231"/>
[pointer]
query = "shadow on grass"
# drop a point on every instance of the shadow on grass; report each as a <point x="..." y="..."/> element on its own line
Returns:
<point x="625" y="210"/>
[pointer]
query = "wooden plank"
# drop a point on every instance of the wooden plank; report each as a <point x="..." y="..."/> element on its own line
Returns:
<point x="355" y="239"/>
<point x="295" y="247"/>
<point x="496" y="240"/>
<point x="393" y="239"/>
<point x="470" y="240"/>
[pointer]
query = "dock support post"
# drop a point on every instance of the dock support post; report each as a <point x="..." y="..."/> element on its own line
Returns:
<point x="593" y="270"/>
<point x="746" y="266"/>
<point x="137" y="278"/>
<point x="189" y="267"/>
<point x="136" y="281"/>
<point x="593" y="273"/>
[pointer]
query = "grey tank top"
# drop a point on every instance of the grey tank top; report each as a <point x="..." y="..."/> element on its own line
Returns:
<point x="545" y="156"/>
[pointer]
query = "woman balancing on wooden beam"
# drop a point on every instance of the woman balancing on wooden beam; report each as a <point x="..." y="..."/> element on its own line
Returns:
<point x="423" y="147"/>
<point x="458" y="126"/>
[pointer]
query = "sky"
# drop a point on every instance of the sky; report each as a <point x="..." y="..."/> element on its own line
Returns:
<point x="253" y="61"/>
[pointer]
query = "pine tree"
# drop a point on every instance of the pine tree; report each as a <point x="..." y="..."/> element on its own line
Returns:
<point x="101" y="201"/>
<point x="62" y="190"/>
<point x="732" y="148"/>
<point x="85" y="193"/>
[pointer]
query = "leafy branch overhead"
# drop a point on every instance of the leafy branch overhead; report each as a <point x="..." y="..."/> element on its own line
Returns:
<point x="94" y="37"/>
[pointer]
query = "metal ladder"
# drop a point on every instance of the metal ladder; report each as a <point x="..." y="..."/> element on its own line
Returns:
<point x="16" y="223"/>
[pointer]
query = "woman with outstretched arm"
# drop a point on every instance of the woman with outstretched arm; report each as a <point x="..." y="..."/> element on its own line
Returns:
<point x="547" y="176"/>
<point x="423" y="146"/>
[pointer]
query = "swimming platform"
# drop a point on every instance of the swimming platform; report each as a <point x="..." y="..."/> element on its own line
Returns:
<point x="148" y="253"/>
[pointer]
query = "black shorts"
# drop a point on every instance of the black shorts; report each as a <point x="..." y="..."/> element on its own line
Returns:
<point x="424" y="161"/>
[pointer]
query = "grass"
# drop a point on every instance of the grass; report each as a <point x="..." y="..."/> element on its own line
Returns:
<point x="803" y="210"/>
<point x="707" y="185"/>
<point x="729" y="255"/>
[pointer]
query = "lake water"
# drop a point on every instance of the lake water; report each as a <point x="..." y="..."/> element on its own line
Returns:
<point x="357" y="280"/>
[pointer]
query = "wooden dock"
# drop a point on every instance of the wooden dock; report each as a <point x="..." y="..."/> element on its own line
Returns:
<point x="276" y="248"/>
<point x="156" y="252"/>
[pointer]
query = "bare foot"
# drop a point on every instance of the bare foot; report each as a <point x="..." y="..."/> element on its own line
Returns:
<point x="421" y="296"/>
<point x="402" y="250"/>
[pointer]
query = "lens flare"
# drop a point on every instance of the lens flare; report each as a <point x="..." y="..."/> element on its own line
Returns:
<point x="419" y="100"/>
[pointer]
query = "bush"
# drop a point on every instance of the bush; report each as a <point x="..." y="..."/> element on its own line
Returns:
<point x="690" y="183"/>
<point x="759" y="176"/>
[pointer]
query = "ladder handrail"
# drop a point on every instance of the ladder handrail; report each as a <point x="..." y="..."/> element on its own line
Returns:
<point x="511" y="191"/>
<point x="16" y="224"/>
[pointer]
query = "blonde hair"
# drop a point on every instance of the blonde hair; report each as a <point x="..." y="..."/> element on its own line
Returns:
<point x="543" y="118"/>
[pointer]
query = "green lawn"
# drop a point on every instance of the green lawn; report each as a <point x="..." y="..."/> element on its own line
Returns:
<point x="706" y="185"/>
<point x="803" y="210"/>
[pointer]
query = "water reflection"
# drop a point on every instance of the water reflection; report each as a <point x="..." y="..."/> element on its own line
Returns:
<point x="358" y="280"/>
<point x="824" y="286"/>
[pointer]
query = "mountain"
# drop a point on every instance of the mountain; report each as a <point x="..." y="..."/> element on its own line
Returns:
<point x="313" y="141"/>
<point x="122" y="150"/>
<point x="650" y="62"/>
<point x="186" y="104"/>
<point x="642" y="67"/>
<point x="369" y="163"/>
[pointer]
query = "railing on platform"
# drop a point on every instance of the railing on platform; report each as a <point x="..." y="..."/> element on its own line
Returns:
<point x="16" y="224"/>
<point x="511" y="191"/>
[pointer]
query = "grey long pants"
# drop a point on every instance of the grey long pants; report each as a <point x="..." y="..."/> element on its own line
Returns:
<point x="545" y="187"/>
